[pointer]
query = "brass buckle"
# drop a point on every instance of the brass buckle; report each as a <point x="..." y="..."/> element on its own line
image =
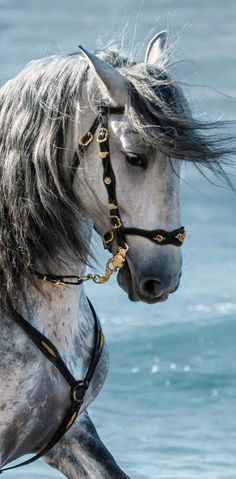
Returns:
<point x="115" y="222"/>
<point x="108" y="238"/>
<point x="89" y="140"/>
<point x="102" y="135"/>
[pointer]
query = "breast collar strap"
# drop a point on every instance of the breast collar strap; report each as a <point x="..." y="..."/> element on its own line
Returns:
<point x="78" y="387"/>
<point x="118" y="232"/>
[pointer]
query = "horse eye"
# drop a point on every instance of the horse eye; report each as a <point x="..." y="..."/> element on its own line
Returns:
<point x="136" y="160"/>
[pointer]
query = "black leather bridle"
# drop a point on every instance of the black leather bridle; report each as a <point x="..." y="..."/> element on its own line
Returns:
<point x="118" y="234"/>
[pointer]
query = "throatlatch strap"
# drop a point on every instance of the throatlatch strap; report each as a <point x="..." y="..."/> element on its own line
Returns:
<point x="78" y="387"/>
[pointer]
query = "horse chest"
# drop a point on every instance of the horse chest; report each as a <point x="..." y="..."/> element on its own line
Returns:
<point x="34" y="395"/>
<point x="33" y="400"/>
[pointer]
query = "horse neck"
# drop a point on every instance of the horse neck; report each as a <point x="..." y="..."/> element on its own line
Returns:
<point x="62" y="314"/>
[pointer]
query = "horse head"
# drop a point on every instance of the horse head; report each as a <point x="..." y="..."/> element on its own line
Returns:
<point x="146" y="179"/>
<point x="54" y="184"/>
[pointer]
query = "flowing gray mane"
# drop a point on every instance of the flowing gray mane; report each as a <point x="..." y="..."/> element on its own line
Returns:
<point x="37" y="108"/>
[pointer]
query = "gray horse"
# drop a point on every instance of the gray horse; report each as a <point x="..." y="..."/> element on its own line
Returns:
<point x="46" y="222"/>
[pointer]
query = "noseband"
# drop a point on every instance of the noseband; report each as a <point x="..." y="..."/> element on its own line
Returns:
<point x="118" y="232"/>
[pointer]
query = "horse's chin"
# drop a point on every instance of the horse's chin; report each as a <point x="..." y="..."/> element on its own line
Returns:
<point x="127" y="283"/>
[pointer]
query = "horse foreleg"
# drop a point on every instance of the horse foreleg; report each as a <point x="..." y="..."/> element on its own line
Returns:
<point x="80" y="454"/>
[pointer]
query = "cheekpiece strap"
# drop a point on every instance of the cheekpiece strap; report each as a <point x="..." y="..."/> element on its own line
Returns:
<point x="118" y="231"/>
<point x="108" y="173"/>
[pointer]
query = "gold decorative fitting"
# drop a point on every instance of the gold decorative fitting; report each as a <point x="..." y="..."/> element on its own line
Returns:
<point x="112" y="206"/>
<point x="87" y="139"/>
<point x="115" y="222"/>
<point x="49" y="349"/>
<point x="103" y="154"/>
<point x="102" y="340"/>
<point x="181" y="237"/>
<point x="159" y="238"/>
<point x="55" y="282"/>
<point x="107" y="180"/>
<point x="58" y="284"/>
<point x="102" y="135"/>
<point x="72" y="419"/>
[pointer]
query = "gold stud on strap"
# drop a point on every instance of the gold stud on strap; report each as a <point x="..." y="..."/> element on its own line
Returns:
<point x="72" y="420"/>
<point x="181" y="237"/>
<point x="107" y="180"/>
<point x="49" y="349"/>
<point x="102" y="135"/>
<point x="101" y="340"/>
<point x="59" y="284"/>
<point x="103" y="154"/>
<point x="112" y="206"/>
<point x="159" y="238"/>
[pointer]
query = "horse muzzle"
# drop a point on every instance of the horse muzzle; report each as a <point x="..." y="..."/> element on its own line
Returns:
<point x="152" y="279"/>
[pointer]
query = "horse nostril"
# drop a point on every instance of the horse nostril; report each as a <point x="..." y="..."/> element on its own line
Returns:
<point x="151" y="287"/>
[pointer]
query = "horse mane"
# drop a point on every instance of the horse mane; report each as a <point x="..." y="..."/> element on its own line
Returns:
<point x="40" y="215"/>
<point x="38" y="207"/>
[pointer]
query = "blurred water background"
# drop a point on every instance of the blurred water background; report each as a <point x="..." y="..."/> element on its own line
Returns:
<point x="168" y="408"/>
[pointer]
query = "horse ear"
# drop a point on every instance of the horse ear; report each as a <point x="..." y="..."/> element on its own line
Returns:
<point x="157" y="49"/>
<point x="115" y="83"/>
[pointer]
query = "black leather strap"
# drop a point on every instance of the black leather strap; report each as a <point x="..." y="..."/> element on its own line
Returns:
<point x="161" y="237"/>
<point x="118" y="232"/>
<point x="109" y="178"/>
<point x="78" y="387"/>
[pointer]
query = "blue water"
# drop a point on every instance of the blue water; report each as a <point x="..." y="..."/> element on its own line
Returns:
<point x="168" y="408"/>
